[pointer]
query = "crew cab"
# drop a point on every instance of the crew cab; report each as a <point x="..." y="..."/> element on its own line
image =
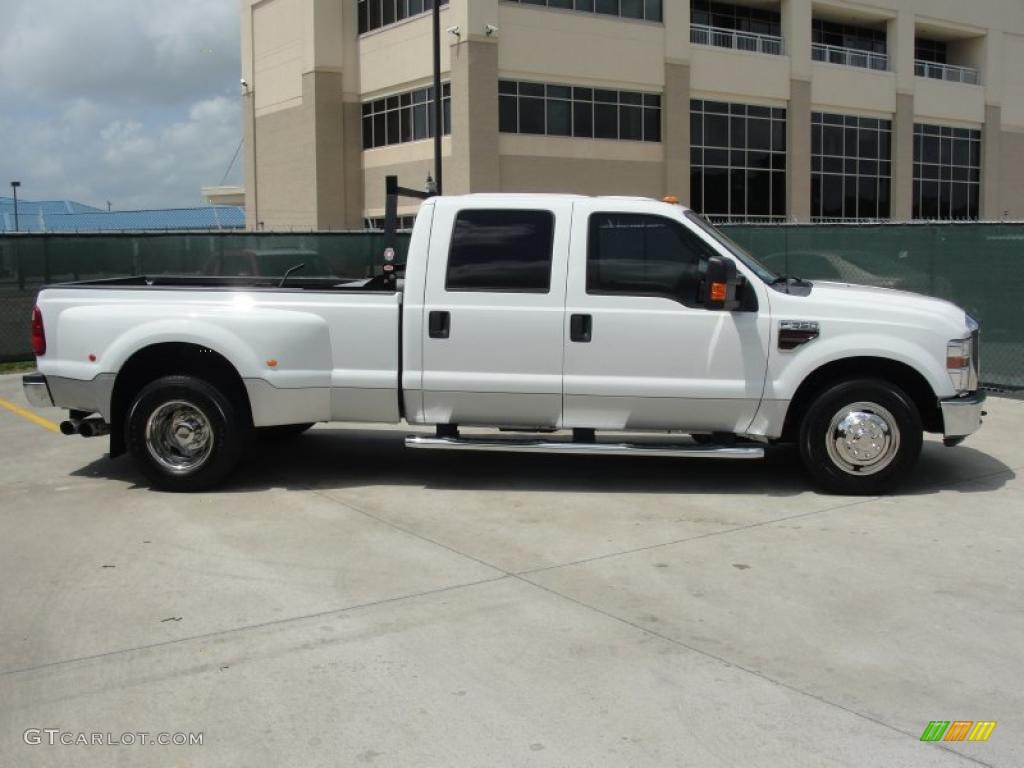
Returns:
<point x="556" y="320"/>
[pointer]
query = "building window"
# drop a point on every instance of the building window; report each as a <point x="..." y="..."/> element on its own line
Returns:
<point x="404" y="117"/>
<point x="947" y="172"/>
<point x="639" y="255"/>
<point x="374" y="14"/>
<point x="376" y="223"/>
<point x="848" y="36"/>
<point x="737" y="161"/>
<point x="590" y="113"/>
<point x="757" y="21"/>
<point x="505" y="251"/>
<point x="851" y="167"/>
<point x="647" y="10"/>
<point x="933" y="51"/>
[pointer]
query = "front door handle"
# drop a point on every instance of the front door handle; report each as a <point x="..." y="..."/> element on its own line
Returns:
<point x="439" y="324"/>
<point x="580" y="328"/>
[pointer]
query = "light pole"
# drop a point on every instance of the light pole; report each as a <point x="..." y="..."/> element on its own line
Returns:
<point x="14" y="188"/>
<point x="438" y="112"/>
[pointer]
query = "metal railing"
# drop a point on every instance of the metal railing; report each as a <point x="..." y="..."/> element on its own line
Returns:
<point x="950" y="72"/>
<point x="721" y="37"/>
<point x="849" y="57"/>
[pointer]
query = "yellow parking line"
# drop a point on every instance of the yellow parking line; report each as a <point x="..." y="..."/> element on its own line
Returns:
<point x="45" y="423"/>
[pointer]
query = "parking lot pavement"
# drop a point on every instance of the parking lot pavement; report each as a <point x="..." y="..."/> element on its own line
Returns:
<point x="343" y="601"/>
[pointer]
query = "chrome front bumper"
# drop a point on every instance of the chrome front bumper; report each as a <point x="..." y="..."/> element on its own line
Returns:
<point x="36" y="390"/>
<point x="961" y="416"/>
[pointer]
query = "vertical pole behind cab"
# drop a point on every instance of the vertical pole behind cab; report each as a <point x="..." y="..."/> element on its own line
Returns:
<point x="438" y="111"/>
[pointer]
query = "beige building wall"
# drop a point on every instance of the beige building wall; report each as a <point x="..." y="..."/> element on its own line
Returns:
<point x="308" y="71"/>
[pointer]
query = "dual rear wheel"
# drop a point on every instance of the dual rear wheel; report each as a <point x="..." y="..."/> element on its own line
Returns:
<point x="187" y="435"/>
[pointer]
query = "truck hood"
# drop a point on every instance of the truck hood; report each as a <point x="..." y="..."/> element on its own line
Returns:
<point x="879" y="305"/>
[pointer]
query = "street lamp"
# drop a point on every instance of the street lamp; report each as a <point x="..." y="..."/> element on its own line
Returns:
<point x="14" y="188"/>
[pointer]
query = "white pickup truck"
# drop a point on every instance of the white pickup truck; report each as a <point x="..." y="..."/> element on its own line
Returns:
<point x="522" y="313"/>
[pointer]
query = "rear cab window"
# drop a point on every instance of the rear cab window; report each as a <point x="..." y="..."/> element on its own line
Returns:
<point x="501" y="250"/>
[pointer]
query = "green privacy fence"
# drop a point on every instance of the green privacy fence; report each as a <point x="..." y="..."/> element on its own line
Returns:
<point x="978" y="266"/>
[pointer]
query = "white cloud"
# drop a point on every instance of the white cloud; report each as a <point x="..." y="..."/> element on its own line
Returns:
<point x="119" y="101"/>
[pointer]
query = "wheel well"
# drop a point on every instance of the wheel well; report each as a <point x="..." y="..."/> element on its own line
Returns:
<point x="158" y="360"/>
<point x="903" y="376"/>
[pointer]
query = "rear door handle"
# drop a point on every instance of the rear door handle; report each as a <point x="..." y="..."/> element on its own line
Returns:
<point x="581" y="328"/>
<point x="439" y="324"/>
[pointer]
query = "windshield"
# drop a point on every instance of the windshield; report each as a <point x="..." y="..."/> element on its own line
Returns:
<point x="735" y="249"/>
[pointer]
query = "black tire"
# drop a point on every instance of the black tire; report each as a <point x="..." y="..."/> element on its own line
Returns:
<point x="884" y="430"/>
<point x="216" y="432"/>
<point x="282" y="432"/>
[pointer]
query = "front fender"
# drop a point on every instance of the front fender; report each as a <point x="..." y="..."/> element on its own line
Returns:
<point x="788" y="369"/>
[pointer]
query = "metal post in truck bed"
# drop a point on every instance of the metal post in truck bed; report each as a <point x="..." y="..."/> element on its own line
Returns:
<point x="391" y="194"/>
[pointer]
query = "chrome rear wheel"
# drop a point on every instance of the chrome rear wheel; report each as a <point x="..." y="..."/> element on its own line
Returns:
<point x="185" y="433"/>
<point x="179" y="436"/>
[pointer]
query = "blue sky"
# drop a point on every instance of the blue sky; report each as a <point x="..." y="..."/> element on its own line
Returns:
<point x="131" y="101"/>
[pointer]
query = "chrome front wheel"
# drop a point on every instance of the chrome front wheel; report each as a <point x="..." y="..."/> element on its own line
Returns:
<point x="862" y="438"/>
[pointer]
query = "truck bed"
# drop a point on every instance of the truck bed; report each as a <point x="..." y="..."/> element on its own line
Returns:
<point x="249" y="282"/>
<point x="315" y="350"/>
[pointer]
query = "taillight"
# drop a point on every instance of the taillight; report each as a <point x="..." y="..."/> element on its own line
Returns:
<point x="38" y="334"/>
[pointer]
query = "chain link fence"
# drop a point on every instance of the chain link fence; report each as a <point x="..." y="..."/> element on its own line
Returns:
<point x="977" y="266"/>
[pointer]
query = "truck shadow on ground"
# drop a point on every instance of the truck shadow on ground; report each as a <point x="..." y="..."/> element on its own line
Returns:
<point x="339" y="458"/>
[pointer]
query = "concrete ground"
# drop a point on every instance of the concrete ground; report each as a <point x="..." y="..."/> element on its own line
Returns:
<point x="346" y="602"/>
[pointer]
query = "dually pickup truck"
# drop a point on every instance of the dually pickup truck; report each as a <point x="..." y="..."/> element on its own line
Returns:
<point x="529" y="314"/>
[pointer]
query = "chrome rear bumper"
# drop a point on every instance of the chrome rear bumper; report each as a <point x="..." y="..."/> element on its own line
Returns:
<point x="36" y="390"/>
<point x="961" y="416"/>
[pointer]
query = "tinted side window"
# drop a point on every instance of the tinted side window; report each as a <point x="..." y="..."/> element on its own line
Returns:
<point x="508" y="251"/>
<point x="641" y="255"/>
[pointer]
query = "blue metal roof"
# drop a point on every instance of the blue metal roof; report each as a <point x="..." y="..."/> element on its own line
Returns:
<point x="69" y="216"/>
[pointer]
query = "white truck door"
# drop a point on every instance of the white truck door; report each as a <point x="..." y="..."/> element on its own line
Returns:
<point x="493" y="310"/>
<point x="640" y="350"/>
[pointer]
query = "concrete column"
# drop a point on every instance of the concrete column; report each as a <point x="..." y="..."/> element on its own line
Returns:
<point x="248" y="119"/>
<point x="675" y="102"/>
<point x="352" y="162"/>
<point x="902" y="189"/>
<point x="675" y="136"/>
<point x="322" y="102"/>
<point x="352" y="122"/>
<point x="900" y="36"/>
<point x="249" y="181"/>
<point x="798" y="151"/>
<point x="474" y="163"/>
<point x="992" y="206"/>
<point x="796" y="33"/>
<point x="676" y="20"/>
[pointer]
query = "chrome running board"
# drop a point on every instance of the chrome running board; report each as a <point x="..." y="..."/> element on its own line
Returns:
<point x="675" y="450"/>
